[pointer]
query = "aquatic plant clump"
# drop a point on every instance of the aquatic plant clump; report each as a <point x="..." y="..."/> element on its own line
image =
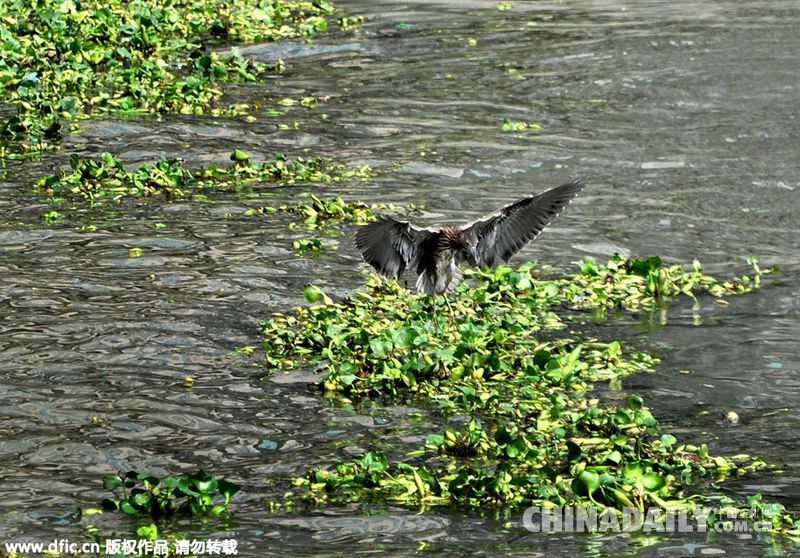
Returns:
<point x="502" y="315"/>
<point x="321" y="214"/>
<point x="500" y="352"/>
<point x="89" y="179"/>
<point x="144" y="494"/>
<point x="519" y="125"/>
<point x="66" y="60"/>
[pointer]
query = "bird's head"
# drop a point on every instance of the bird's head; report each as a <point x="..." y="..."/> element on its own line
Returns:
<point x="458" y="242"/>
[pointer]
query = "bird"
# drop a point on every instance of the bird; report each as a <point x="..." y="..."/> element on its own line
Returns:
<point x="434" y="254"/>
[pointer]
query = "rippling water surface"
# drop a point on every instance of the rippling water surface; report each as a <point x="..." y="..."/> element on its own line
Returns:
<point x="685" y="116"/>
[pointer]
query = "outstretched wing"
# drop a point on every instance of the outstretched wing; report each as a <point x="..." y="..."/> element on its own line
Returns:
<point x="389" y="245"/>
<point x="501" y="234"/>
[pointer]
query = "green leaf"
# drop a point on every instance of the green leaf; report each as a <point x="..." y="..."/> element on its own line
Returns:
<point x="586" y="482"/>
<point x="403" y="337"/>
<point x="644" y="267"/>
<point x="109" y="504"/>
<point x="380" y="347"/>
<point x="218" y="510"/>
<point x="632" y="471"/>
<point x="634" y="402"/>
<point x="346" y="373"/>
<point x="169" y="482"/>
<point x="227" y="488"/>
<point x="112" y="482"/>
<point x="187" y="487"/>
<point x="434" y="440"/>
<point x="622" y="498"/>
<point x="142" y="498"/>
<point x="653" y="482"/>
<point x="148" y="478"/>
<point x="614" y="457"/>
<point x="203" y="482"/>
<point x="148" y="532"/>
<point x="374" y="462"/>
<point x="516" y="447"/>
<point x="239" y="156"/>
<point x="312" y="294"/>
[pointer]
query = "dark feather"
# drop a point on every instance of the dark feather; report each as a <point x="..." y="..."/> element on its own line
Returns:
<point x="389" y="246"/>
<point x="433" y="254"/>
<point x="503" y="233"/>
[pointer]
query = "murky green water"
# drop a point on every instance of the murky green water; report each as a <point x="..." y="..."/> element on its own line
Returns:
<point x="685" y="115"/>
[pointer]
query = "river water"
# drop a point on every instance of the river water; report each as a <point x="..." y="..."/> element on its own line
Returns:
<point x="685" y="116"/>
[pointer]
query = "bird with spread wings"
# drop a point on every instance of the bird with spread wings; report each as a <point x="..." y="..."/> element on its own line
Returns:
<point x="433" y="254"/>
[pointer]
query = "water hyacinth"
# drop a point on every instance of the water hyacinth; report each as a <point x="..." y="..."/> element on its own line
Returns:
<point x="529" y="426"/>
<point x="64" y="61"/>
<point x="144" y="494"/>
<point x="496" y="319"/>
<point x="89" y="179"/>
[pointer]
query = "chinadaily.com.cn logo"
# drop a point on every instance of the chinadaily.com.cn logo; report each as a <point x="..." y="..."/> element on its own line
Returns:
<point x="577" y="519"/>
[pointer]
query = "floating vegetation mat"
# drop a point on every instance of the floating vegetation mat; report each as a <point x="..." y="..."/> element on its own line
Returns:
<point x="501" y="358"/>
<point x="92" y="181"/>
<point x="108" y="177"/>
<point x="64" y="60"/>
